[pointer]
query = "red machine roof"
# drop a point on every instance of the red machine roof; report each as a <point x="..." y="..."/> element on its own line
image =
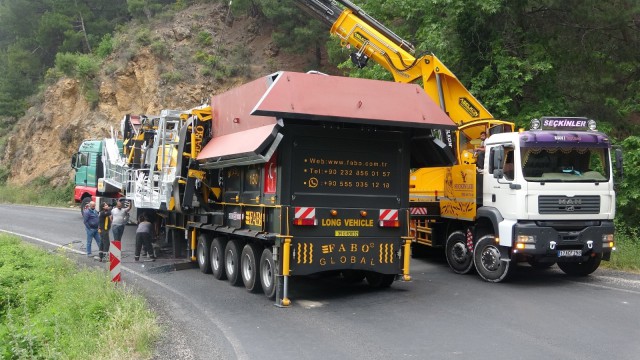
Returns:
<point x="244" y="117"/>
<point x="321" y="97"/>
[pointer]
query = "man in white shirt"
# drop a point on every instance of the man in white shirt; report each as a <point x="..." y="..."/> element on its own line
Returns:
<point x="119" y="220"/>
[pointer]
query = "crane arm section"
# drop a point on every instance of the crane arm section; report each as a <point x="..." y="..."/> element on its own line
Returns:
<point x="373" y="40"/>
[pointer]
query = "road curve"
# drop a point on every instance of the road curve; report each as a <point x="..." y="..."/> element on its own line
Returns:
<point x="439" y="315"/>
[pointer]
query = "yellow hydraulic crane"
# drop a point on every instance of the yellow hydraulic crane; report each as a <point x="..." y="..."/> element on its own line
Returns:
<point x="373" y="40"/>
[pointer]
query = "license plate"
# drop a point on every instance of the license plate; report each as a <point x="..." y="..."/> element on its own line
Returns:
<point x="565" y="253"/>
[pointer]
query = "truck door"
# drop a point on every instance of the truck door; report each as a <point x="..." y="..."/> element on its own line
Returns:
<point x="499" y="190"/>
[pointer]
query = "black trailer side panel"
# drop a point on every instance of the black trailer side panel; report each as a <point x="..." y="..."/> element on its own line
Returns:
<point x="346" y="181"/>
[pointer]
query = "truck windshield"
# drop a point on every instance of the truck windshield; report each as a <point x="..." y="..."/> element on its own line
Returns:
<point x="576" y="164"/>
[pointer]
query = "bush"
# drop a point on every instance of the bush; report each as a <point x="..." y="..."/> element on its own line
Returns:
<point x="143" y="37"/>
<point x="159" y="49"/>
<point x="87" y="66"/>
<point x="66" y="63"/>
<point x="80" y="66"/>
<point x="105" y="48"/>
<point x="204" y="38"/>
<point x="171" y="77"/>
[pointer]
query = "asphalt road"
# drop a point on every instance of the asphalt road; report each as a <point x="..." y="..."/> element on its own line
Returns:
<point x="540" y="314"/>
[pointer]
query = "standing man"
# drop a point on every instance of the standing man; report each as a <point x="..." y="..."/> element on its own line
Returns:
<point x="91" y="218"/>
<point x="479" y="151"/>
<point x="119" y="220"/>
<point x="104" y="225"/>
<point x="143" y="237"/>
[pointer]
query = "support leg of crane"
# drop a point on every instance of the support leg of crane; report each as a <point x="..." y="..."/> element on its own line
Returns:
<point x="407" y="259"/>
<point x="282" y="291"/>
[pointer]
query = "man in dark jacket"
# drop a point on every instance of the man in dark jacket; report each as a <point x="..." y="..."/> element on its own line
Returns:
<point x="91" y="219"/>
<point x="104" y="225"/>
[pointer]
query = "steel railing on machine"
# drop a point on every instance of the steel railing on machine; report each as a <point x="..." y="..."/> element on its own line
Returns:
<point x="152" y="185"/>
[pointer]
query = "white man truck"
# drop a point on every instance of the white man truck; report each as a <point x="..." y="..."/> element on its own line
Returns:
<point x="544" y="196"/>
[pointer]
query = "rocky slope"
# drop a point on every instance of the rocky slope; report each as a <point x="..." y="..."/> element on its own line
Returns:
<point x="154" y="66"/>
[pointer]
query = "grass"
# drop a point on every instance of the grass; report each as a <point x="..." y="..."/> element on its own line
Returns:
<point x="38" y="192"/>
<point x="50" y="309"/>
<point x="627" y="254"/>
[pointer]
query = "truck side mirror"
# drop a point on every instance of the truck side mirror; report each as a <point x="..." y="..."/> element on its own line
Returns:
<point x="74" y="157"/>
<point x="497" y="157"/>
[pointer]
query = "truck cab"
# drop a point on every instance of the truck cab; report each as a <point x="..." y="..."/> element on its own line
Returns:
<point x="549" y="193"/>
<point x="89" y="167"/>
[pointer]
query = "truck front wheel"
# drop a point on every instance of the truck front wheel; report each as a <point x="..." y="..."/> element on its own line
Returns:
<point x="268" y="274"/>
<point x="202" y="252"/>
<point x="232" y="262"/>
<point x="486" y="258"/>
<point x="217" y="258"/>
<point x="581" y="268"/>
<point x="459" y="257"/>
<point x="249" y="267"/>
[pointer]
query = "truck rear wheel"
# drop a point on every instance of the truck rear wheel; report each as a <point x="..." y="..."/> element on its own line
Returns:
<point x="249" y="267"/>
<point x="268" y="273"/>
<point x="203" y="252"/>
<point x="486" y="258"/>
<point x="459" y="258"/>
<point x="581" y="268"/>
<point x="377" y="280"/>
<point x="217" y="258"/>
<point x="232" y="262"/>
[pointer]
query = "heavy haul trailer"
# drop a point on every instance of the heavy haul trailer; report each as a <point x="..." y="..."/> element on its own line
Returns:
<point x="295" y="174"/>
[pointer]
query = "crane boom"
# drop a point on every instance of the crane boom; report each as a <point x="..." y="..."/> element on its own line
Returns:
<point x="373" y="40"/>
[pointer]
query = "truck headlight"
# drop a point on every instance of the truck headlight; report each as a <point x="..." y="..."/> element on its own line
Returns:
<point x="526" y="239"/>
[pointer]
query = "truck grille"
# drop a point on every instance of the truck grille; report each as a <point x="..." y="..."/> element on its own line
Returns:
<point x="569" y="205"/>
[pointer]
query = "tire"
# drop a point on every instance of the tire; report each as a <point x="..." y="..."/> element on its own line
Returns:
<point x="232" y="262"/>
<point x="84" y="203"/>
<point x="268" y="274"/>
<point x="249" y="267"/>
<point x="540" y="265"/>
<point x="459" y="258"/>
<point x="216" y="256"/>
<point x="203" y="252"/>
<point x="377" y="280"/>
<point x="581" y="268"/>
<point x="486" y="257"/>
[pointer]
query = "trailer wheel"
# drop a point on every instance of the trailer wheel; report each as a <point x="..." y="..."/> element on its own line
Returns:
<point x="581" y="268"/>
<point x="459" y="258"/>
<point x="217" y="258"/>
<point x="203" y="252"/>
<point x="268" y="273"/>
<point x="377" y="280"/>
<point x="249" y="267"/>
<point x="486" y="257"/>
<point x="85" y="202"/>
<point x="232" y="262"/>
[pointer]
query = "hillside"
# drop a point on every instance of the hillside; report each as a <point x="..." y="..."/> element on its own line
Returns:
<point x="168" y="63"/>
